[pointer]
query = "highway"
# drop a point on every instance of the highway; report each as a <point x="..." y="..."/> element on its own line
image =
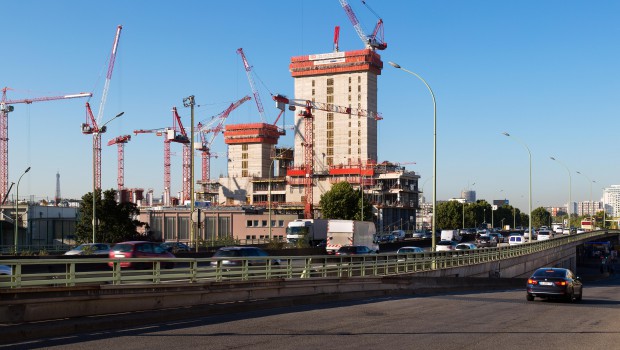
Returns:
<point x="492" y="320"/>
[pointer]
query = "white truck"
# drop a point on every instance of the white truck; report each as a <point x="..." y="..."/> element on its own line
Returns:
<point x="450" y="235"/>
<point x="311" y="231"/>
<point x="350" y="232"/>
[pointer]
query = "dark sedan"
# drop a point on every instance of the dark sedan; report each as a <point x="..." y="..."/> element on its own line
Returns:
<point x="485" y="240"/>
<point x="552" y="282"/>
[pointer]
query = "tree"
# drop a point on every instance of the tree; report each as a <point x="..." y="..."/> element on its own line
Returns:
<point x="344" y="202"/>
<point x="116" y="221"/>
<point x="540" y="217"/>
<point x="449" y="215"/>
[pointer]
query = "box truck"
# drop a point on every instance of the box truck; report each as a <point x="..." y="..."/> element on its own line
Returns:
<point x="310" y="231"/>
<point x="350" y="232"/>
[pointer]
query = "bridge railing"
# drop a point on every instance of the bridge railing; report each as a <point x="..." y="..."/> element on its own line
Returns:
<point x="98" y="271"/>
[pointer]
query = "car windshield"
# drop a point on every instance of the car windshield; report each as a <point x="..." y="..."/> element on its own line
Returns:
<point x="549" y="273"/>
<point x="81" y="247"/>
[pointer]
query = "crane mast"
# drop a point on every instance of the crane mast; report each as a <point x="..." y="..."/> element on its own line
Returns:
<point x="182" y="138"/>
<point x="306" y="112"/>
<point x="92" y="124"/>
<point x="6" y="106"/>
<point x="120" y="141"/>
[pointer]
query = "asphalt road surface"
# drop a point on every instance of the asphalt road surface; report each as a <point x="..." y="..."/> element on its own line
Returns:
<point x="494" y="320"/>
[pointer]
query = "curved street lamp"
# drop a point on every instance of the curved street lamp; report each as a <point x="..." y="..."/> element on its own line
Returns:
<point x="530" y="187"/>
<point x="434" y="217"/>
<point x="569" y="190"/>
<point x="17" y="207"/>
<point x="98" y="134"/>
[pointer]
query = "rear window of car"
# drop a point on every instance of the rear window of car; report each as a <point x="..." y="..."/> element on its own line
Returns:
<point x="549" y="273"/>
<point x="123" y="248"/>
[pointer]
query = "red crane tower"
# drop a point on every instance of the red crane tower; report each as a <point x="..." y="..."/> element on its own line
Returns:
<point x="6" y="106"/>
<point x="177" y="134"/>
<point x="204" y="129"/>
<point x="306" y="113"/>
<point x="372" y="41"/>
<point x="91" y="126"/>
<point x="162" y="132"/>
<point x="120" y="141"/>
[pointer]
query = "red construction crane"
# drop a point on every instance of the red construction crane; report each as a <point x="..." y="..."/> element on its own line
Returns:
<point x="91" y="126"/>
<point x="204" y="129"/>
<point x="6" y="106"/>
<point x="162" y="132"/>
<point x="306" y="113"/>
<point x="177" y="134"/>
<point x="120" y="141"/>
<point x="248" y="72"/>
<point x="373" y="41"/>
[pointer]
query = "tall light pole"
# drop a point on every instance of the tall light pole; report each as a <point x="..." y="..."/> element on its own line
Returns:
<point x="569" y="190"/>
<point x="529" y="228"/>
<point x="277" y="156"/>
<point x="17" y="207"/>
<point x="434" y="218"/>
<point x="98" y="134"/>
<point x="190" y="102"/>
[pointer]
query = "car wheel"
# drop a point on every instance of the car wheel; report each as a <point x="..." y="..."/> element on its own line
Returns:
<point x="530" y="297"/>
<point x="580" y="297"/>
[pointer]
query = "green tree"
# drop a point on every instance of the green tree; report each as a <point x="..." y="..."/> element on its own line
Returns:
<point x="344" y="202"/>
<point x="540" y="217"/>
<point x="116" y="221"/>
<point x="449" y="215"/>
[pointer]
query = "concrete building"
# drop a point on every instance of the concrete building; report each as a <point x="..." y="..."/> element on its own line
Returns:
<point x="589" y="208"/>
<point x="611" y="198"/>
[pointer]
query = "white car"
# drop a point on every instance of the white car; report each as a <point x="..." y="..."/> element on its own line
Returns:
<point x="90" y="249"/>
<point x="465" y="246"/>
<point x="543" y="235"/>
<point x="445" y="245"/>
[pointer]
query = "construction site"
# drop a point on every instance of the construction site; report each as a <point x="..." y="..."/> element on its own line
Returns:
<point x="267" y="185"/>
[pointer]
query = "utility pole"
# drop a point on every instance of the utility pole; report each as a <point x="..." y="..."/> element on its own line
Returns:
<point x="190" y="102"/>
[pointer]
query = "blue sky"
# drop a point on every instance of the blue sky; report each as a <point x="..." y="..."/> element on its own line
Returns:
<point x="544" y="71"/>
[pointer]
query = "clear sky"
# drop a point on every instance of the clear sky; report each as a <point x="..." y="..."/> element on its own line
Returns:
<point x="546" y="71"/>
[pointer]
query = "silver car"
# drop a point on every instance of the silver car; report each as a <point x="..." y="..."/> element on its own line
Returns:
<point x="5" y="270"/>
<point x="90" y="249"/>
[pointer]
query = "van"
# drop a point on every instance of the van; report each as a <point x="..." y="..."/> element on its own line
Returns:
<point x="450" y="235"/>
<point x="516" y="239"/>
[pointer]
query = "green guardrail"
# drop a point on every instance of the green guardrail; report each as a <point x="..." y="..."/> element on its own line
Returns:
<point x="97" y="271"/>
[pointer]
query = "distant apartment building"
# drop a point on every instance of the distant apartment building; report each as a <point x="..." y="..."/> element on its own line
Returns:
<point x="589" y="208"/>
<point x="469" y="196"/>
<point x="611" y="198"/>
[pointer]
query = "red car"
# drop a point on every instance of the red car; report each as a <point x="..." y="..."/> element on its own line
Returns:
<point x="139" y="249"/>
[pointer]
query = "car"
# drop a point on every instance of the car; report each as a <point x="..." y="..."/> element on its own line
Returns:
<point x="224" y="257"/>
<point x="465" y="246"/>
<point x="421" y="234"/>
<point x="409" y="250"/>
<point x="580" y="230"/>
<point x="176" y="247"/>
<point x="544" y="235"/>
<point x="516" y="239"/>
<point x="125" y="251"/>
<point x="354" y="250"/>
<point x="497" y="237"/>
<point x="484" y="240"/>
<point x="445" y="245"/>
<point x="90" y="249"/>
<point x="399" y="235"/>
<point x="5" y="270"/>
<point x="386" y="238"/>
<point x="553" y="282"/>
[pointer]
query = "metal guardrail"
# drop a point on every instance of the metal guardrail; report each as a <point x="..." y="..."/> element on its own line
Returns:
<point x="72" y="272"/>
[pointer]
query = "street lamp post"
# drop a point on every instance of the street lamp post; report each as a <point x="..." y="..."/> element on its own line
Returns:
<point x="569" y="190"/>
<point x="98" y="134"/>
<point x="17" y="207"/>
<point x="434" y="218"/>
<point x="530" y="186"/>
